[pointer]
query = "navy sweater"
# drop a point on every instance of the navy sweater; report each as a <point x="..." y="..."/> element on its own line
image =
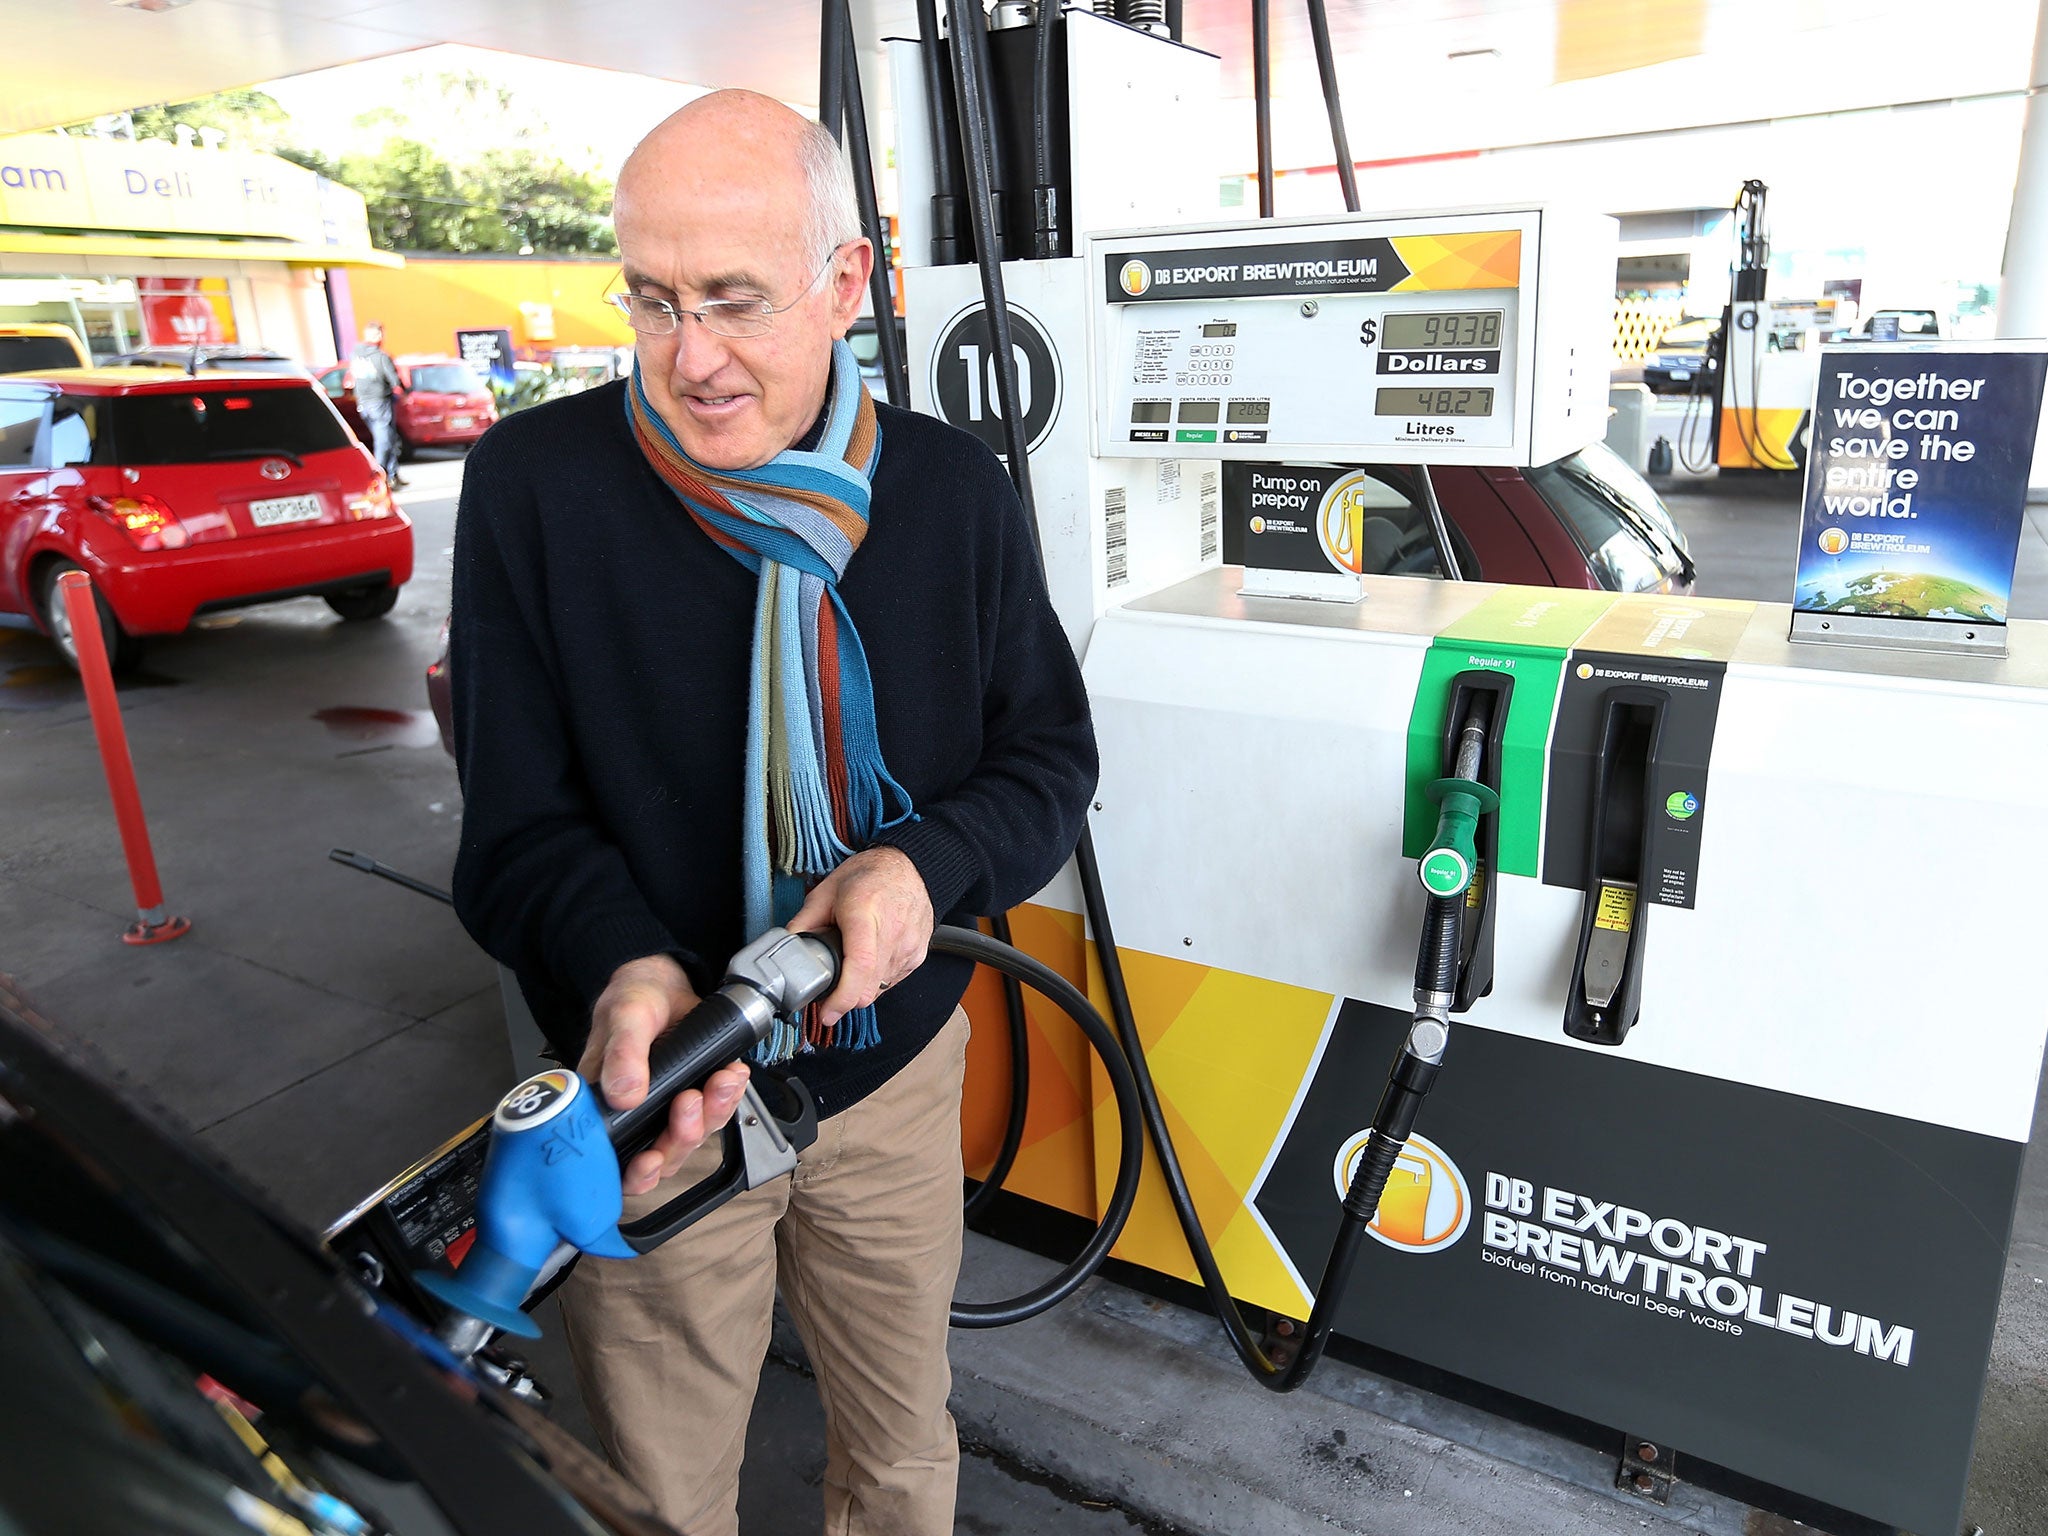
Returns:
<point x="600" y="650"/>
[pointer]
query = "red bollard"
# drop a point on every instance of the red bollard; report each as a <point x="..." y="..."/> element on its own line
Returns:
<point x="151" y="926"/>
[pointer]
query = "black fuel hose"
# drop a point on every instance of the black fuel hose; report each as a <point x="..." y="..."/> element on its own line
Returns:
<point x="1045" y="197"/>
<point x="969" y="944"/>
<point x="946" y="187"/>
<point x="1020" y="1083"/>
<point x="1262" y="99"/>
<point x="975" y="36"/>
<point x="977" y="148"/>
<point x="831" y="67"/>
<point x="881" y="296"/>
<point x="1326" y="67"/>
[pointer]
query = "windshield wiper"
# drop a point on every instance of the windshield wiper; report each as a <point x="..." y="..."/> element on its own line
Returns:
<point x="257" y="453"/>
<point x="1629" y="513"/>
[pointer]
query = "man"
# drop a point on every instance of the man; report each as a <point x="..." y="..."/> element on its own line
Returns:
<point x="374" y="378"/>
<point x="713" y="627"/>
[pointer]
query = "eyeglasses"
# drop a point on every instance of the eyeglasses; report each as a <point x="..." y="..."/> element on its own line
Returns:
<point x="734" y="318"/>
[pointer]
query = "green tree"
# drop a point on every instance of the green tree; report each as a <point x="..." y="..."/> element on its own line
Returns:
<point x="251" y="118"/>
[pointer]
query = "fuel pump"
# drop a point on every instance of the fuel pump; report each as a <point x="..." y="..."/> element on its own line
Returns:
<point x="1454" y="963"/>
<point x="1761" y="363"/>
<point x="1634" y="1176"/>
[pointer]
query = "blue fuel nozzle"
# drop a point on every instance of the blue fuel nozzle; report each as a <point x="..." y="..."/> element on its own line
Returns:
<point x="550" y="1177"/>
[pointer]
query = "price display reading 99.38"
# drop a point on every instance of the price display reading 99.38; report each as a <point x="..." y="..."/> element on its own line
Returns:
<point x="1420" y="333"/>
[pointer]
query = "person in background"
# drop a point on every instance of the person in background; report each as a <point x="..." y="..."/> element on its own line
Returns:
<point x="374" y="378"/>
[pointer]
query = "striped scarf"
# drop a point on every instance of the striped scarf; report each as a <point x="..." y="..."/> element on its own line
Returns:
<point x="816" y="786"/>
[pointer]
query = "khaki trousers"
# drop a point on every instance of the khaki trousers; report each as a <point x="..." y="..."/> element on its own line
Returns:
<point x="864" y="1240"/>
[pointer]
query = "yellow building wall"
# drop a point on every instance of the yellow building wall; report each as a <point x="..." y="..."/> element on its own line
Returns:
<point x="423" y="305"/>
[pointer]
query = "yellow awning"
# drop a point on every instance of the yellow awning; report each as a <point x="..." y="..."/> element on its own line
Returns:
<point x="23" y="242"/>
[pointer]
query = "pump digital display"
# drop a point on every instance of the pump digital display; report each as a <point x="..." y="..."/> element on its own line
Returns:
<point x="1202" y="412"/>
<point x="1248" y="413"/>
<point x="1433" y="402"/>
<point x="1218" y="328"/>
<point x="1476" y="328"/>
<point x="1152" y="410"/>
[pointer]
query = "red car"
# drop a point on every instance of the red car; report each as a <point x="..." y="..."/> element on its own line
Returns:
<point x="443" y="404"/>
<point x="181" y="495"/>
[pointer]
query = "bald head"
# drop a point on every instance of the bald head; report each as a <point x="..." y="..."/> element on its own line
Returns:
<point x="746" y="147"/>
<point x="739" y="203"/>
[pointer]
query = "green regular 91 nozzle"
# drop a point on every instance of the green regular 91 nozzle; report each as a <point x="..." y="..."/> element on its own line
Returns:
<point x="1447" y="864"/>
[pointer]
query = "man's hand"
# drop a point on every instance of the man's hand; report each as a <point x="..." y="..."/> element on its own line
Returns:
<point x="642" y="999"/>
<point x="878" y="902"/>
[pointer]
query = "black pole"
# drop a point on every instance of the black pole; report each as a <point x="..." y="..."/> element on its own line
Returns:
<point x="1173" y="20"/>
<point x="831" y="67"/>
<point x="1326" y="66"/>
<point x="881" y="296"/>
<point x="1262" y="99"/>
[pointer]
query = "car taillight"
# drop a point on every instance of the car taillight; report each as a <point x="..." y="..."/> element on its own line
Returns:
<point x="375" y="502"/>
<point x="149" y="524"/>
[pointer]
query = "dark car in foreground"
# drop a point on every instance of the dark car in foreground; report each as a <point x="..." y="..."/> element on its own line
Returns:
<point x="181" y="495"/>
<point x="182" y="1359"/>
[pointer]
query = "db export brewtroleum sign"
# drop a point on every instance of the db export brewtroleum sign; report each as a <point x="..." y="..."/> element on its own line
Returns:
<point x="1672" y="1255"/>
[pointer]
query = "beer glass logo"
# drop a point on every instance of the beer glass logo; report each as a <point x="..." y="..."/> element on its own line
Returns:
<point x="1340" y="523"/>
<point x="1136" y="277"/>
<point x="1585" y="670"/>
<point x="1427" y="1204"/>
<point x="1833" y="541"/>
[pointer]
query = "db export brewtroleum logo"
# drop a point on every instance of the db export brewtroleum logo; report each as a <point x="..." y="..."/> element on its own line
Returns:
<point x="1340" y="522"/>
<point x="1427" y="1204"/>
<point x="1135" y="277"/>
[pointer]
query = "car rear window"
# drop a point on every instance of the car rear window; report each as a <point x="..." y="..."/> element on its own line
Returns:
<point x="196" y="426"/>
<point x="20" y="420"/>
<point x="446" y="379"/>
<point x="21" y="353"/>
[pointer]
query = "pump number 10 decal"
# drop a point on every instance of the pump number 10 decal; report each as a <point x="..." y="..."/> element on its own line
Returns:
<point x="964" y="382"/>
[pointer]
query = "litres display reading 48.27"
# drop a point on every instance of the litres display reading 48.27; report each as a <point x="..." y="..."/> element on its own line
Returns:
<point x="1434" y="402"/>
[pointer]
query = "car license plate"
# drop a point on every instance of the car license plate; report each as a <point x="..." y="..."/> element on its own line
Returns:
<point x="462" y="423"/>
<point x="285" y="509"/>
